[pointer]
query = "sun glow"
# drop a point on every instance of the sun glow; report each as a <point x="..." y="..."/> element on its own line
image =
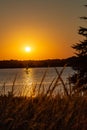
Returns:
<point x="27" y="49"/>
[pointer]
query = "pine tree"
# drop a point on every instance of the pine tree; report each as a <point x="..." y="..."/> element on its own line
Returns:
<point x="80" y="77"/>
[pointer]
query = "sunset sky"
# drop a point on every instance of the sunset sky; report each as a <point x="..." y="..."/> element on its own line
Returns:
<point x="47" y="27"/>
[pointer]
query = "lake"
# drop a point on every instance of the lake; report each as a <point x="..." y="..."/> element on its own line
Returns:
<point x="23" y="80"/>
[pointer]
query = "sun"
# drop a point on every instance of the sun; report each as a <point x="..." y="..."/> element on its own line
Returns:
<point x="27" y="49"/>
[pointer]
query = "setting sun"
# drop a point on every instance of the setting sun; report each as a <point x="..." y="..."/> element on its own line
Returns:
<point x="27" y="49"/>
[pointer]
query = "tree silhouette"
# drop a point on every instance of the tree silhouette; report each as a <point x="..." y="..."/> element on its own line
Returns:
<point x="80" y="77"/>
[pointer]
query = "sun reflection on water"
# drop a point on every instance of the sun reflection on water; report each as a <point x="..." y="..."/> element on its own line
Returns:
<point x="28" y="84"/>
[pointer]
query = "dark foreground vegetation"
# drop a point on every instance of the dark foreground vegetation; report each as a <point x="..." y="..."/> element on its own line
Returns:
<point x="44" y="110"/>
<point x="43" y="113"/>
<point x="81" y="53"/>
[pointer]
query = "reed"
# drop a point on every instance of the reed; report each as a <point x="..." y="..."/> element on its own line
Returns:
<point x="43" y="110"/>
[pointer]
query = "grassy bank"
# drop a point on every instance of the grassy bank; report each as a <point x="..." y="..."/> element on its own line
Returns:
<point x="44" y="111"/>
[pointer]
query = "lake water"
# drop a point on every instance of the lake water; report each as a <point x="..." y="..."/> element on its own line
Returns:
<point x="28" y="79"/>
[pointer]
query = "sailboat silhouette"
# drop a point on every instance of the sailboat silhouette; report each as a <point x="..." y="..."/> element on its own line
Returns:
<point x="27" y="70"/>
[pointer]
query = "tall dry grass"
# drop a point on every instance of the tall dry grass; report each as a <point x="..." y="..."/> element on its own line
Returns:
<point x="43" y="110"/>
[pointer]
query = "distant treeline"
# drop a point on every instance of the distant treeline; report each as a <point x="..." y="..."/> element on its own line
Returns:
<point x="37" y="63"/>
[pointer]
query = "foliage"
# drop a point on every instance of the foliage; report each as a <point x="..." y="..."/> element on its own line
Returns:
<point x="81" y="53"/>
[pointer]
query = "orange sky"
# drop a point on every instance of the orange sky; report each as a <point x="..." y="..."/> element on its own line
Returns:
<point x="48" y="27"/>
